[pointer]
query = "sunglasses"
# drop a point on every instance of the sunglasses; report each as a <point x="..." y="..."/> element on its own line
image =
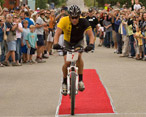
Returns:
<point x="15" y="17"/>
<point x="75" y="17"/>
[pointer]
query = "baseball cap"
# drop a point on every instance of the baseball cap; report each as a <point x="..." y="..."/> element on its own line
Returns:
<point x="5" y="9"/>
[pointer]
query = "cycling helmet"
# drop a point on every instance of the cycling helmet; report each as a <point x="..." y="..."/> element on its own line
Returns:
<point x="74" y="11"/>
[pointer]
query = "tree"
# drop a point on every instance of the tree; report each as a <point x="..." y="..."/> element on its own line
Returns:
<point x="101" y="3"/>
<point x="1" y="2"/>
<point x="57" y="2"/>
<point x="41" y="4"/>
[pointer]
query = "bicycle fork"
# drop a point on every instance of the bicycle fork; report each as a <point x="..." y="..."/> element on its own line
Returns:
<point x="70" y="70"/>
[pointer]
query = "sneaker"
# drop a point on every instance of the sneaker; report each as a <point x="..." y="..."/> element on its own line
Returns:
<point x="31" y="61"/>
<point x="81" y="86"/>
<point x="6" y="63"/>
<point x="130" y="56"/>
<point x="92" y="51"/>
<point x="115" y="51"/>
<point x="144" y="59"/>
<point x="42" y="61"/>
<point x="19" y="64"/>
<point x="99" y="45"/>
<point x="64" y="89"/>
<point x="1" y="65"/>
<point x="119" y="52"/>
<point x="123" y="56"/>
<point x="38" y="60"/>
<point x="44" y="57"/>
<point x="24" y="62"/>
<point x="15" y="64"/>
<point x="50" y="53"/>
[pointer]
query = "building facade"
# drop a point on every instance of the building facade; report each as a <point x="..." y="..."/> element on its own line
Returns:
<point x="11" y="4"/>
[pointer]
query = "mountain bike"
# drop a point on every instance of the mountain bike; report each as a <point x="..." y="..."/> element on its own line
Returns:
<point x="72" y="75"/>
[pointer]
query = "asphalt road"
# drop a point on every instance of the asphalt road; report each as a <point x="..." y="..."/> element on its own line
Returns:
<point x="34" y="90"/>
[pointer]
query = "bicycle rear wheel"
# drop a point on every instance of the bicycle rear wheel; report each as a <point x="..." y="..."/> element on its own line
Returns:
<point x="73" y="90"/>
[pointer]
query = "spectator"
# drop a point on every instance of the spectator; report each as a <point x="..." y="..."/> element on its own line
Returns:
<point x="1" y="37"/>
<point x="11" y="40"/>
<point x="123" y="29"/>
<point x="100" y="32"/>
<point x="143" y="27"/>
<point x="30" y="22"/>
<point x="23" y="41"/>
<point x="93" y="22"/>
<point x="137" y="6"/>
<point x="31" y="42"/>
<point x="131" y="38"/>
<point x="40" y="24"/>
<point x="5" y="12"/>
<point x="51" y="32"/>
<point x="18" y="38"/>
<point x="139" y="36"/>
<point x="108" y="30"/>
<point x="118" y="35"/>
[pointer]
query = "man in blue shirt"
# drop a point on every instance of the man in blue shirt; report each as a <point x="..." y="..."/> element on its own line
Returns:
<point x="30" y="22"/>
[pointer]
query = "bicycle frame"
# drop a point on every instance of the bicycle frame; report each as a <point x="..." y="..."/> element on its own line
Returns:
<point x="72" y="57"/>
<point x="72" y="75"/>
<point x="71" y="69"/>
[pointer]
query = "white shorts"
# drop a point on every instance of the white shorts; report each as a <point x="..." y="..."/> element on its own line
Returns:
<point x="61" y="40"/>
<point x="50" y="37"/>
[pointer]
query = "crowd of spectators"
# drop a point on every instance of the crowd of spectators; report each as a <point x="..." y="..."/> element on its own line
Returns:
<point x="123" y="28"/>
<point x="25" y="32"/>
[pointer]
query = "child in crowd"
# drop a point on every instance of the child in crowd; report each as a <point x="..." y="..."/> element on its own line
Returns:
<point x="138" y="37"/>
<point x="100" y="32"/>
<point x="23" y="41"/>
<point x="31" y="42"/>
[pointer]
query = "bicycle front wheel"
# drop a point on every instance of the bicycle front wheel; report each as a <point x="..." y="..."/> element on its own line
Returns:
<point x="73" y="90"/>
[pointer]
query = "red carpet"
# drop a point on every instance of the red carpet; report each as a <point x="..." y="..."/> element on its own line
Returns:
<point x="93" y="100"/>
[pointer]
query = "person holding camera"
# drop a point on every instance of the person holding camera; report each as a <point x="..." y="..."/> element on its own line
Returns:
<point x="40" y="24"/>
<point x="51" y="31"/>
<point x="11" y="40"/>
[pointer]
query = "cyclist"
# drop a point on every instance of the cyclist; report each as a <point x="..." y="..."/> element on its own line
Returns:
<point x="73" y="27"/>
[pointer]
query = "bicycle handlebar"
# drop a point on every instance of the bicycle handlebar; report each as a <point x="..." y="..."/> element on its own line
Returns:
<point x="72" y="50"/>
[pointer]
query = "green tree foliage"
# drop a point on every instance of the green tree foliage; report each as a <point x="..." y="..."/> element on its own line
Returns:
<point x="41" y="4"/>
<point x="1" y="2"/>
<point x="91" y="3"/>
<point x="58" y="2"/>
<point x="55" y="1"/>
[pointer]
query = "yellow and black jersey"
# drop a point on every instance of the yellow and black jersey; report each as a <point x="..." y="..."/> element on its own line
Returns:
<point x="73" y="33"/>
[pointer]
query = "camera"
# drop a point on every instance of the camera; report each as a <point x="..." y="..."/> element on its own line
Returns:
<point x="14" y="32"/>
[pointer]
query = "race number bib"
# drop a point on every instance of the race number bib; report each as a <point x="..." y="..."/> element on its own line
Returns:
<point x="72" y="56"/>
